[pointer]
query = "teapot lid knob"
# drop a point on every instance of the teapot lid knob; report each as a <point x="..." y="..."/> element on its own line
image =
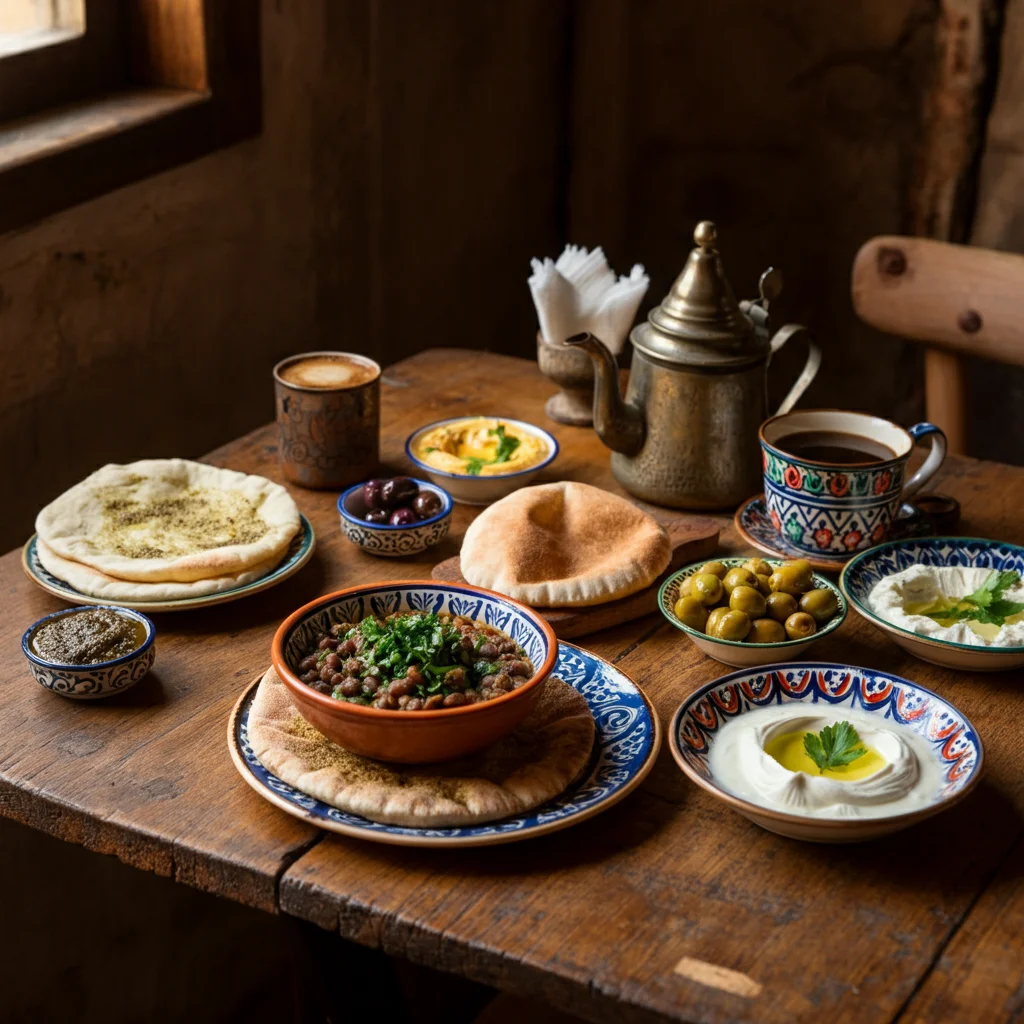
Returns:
<point x="705" y="234"/>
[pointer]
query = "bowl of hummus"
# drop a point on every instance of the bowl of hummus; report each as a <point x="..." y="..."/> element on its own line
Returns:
<point x="479" y="459"/>
<point x="826" y="752"/>
<point x="953" y="601"/>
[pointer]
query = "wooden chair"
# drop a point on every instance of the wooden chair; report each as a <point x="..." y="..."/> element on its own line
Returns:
<point x="958" y="300"/>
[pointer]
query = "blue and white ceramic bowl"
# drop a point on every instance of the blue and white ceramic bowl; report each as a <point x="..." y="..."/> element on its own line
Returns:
<point x="425" y="737"/>
<point x="626" y="745"/>
<point x="483" y="490"/>
<point x="953" y="741"/>
<point x="89" y="682"/>
<point x="863" y="572"/>
<point x="393" y="541"/>
<point x="739" y="653"/>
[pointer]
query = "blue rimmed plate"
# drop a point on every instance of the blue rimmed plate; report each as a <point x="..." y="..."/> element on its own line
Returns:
<point x="299" y="553"/>
<point x="953" y="741"/>
<point x="863" y="572"/>
<point x="628" y="738"/>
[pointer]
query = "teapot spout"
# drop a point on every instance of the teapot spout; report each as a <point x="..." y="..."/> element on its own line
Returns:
<point x="619" y="425"/>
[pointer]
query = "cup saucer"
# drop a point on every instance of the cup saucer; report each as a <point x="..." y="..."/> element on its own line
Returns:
<point x="755" y="526"/>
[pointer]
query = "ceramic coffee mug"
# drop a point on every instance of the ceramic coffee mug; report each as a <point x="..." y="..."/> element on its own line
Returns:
<point x="328" y="418"/>
<point x="837" y="508"/>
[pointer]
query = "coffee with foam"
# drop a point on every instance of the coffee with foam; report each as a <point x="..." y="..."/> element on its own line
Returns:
<point x="329" y="372"/>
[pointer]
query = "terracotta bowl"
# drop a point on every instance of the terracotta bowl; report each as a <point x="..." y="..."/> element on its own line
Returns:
<point x="863" y="572"/>
<point x="739" y="653"/>
<point x="413" y="737"/>
<point x="953" y="740"/>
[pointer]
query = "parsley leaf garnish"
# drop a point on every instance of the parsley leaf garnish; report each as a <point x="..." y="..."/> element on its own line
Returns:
<point x="987" y="603"/>
<point x="506" y="446"/>
<point x="473" y="466"/>
<point x="835" y="746"/>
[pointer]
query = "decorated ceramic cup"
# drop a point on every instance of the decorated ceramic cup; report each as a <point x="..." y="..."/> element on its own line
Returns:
<point x="840" y="507"/>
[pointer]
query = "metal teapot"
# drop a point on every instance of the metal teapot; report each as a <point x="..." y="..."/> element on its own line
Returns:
<point x="686" y="434"/>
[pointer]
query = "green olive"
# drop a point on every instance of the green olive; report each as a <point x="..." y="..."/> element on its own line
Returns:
<point x="821" y="604"/>
<point x="713" y="618"/>
<point x="707" y="587"/>
<point x="739" y="577"/>
<point x="747" y="599"/>
<point x="763" y="583"/>
<point x="730" y="625"/>
<point x="686" y="587"/>
<point x="780" y="606"/>
<point x="758" y="566"/>
<point x="800" y="625"/>
<point x="690" y="611"/>
<point x="790" y="579"/>
<point x="766" y="631"/>
<point x="798" y="563"/>
<point x="715" y="568"/>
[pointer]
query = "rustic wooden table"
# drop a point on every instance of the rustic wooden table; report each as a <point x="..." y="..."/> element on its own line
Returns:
<point x="612" y="920"/>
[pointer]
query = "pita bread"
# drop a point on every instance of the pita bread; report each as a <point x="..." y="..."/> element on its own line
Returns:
<point x="170" y="520"/>
<point x="564" y="545"/>
<point x="91" y="581"/>
<point x="531" y="765"/>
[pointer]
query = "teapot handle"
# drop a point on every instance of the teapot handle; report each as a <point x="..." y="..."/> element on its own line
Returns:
<point x="811" y="367"/>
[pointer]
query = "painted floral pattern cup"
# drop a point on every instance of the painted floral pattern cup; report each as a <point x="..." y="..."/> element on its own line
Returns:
<point x="840" y="509"/>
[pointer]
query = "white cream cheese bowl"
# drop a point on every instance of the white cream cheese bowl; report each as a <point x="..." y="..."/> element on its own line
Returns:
<point x="931" y="754"/>
<point x="881" y="582"/>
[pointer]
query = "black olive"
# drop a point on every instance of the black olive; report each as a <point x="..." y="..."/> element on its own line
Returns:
<point x="398" y="492"/>
<point x="426" y="504"/>
<point x="376" y="515"/>
<point x="403" y="517"/>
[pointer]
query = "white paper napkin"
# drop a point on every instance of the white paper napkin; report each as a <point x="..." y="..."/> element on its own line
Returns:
<point x="579" y="292"/>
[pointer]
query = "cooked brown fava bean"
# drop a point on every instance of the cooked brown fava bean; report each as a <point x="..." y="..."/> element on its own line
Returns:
<point x="733" y="625"/>
<point x="820" y="604"/>
<point x="370" y="685"/>
<point x="454" y="700"/>
<point x="399" y="687"/>
<point x="487" y="650"/>
<point x="337" y="679"/>
<point x="307" y="663"/>
<point x="414" y="676"/>
<point x="323" y="687"/>
<point x="780" y="606"/>
<point x="415" y="704"/>
<point x="739" y="577"/>
<point x="758" y="566"/>
<point x="325" y="674"/>
<point x="328" y="643"/>
<point x="403" y="700"/>
<point x="715" y="568"/>
<point x="707" y="588"/>
<point x="456" y="679"/>
<point x="800" y="625"/>
<point x="311" y="676"/>
<point x="766" y="631"/>
<point x="435" y="700"/>
<point x="749" y="600"/>
<point x="348" y="647"/>
<point x="332" y="661"/>
<point x="520" y="668"/>
<point x="351" y="687"/>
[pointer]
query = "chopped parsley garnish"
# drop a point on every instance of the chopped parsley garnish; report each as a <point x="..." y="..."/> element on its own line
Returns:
<point x="506" y="446"/>
<point x="987" y="603"/>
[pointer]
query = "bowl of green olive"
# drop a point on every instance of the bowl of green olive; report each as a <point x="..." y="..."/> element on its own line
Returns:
<point x="752" y="611"/>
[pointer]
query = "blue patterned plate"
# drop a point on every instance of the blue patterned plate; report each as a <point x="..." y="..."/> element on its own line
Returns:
<point x="299" y="553"/>
<point x="755" y="526"/>
<point x="625" y="748"/>
<point x="863" y="572"/>
<point x="951" y="737"/>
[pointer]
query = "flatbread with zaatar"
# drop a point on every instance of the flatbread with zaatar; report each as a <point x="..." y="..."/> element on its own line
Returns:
<point x="170" y="520"/>
<point x="535" y="762"/>
<point x="564" y="545"/>
<point x="87" y="580"/>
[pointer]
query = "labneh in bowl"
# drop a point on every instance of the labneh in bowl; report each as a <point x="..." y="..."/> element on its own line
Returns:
<point x="103" y="679"/>
<point x="483" y="489"/>
<point x="413" y="737"/>
<point x="389" y="541"/>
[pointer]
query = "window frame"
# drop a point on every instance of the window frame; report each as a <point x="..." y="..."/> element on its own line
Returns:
<point x="189" y="84"/>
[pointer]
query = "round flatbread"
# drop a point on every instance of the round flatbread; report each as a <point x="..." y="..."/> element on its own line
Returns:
<point x="88" y="580"/>
<point x="564" y="545"/>
<point x="531" y="765"/>
<point x="170" y="520"/>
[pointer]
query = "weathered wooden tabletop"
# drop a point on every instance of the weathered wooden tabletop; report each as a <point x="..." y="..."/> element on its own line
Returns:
<point x="924" y="926"/>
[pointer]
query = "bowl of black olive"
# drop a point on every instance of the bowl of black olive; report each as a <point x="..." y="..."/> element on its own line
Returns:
<point x="395" y="516"/>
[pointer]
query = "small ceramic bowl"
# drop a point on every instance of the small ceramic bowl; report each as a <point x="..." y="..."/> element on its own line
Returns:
<point x="954" y="742"/>
<point x="413" y="737"/>
<point x="738" y="653"/>
<point x="89" y="682"/>
<point x="393" y="541"/>
<point x="861" y="574"/>
<point x="483" y="490"/>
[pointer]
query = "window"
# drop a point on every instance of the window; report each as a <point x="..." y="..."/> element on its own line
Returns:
<point x="97" y="93"/>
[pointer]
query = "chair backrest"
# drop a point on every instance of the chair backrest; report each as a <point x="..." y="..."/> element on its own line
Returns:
<point x="956" y="299"/>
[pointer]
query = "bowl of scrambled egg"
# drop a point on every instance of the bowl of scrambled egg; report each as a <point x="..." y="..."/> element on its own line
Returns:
<point x="479" y="459"/>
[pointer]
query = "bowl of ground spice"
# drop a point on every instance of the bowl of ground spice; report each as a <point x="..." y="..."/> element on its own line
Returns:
<point x="90" y="652"/>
